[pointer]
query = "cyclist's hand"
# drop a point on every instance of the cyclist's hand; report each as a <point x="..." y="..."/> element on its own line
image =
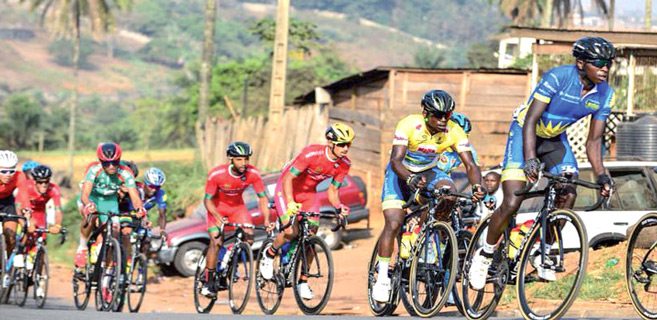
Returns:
<point x="344" y="210"/>
<point x="139" y="212"/>
<point x="31" y="227"/>
<point x="607" y="184"/>
<point x="532" y="169"/>
<point x="55" y="229"/>
<point x="271" y="226"/>
<point x="477" y="192"/>
<point x="293" y="208"/>
<point x="27" y="213"/>
<point x="89" y="208"/>
<point x="415" y="182"/>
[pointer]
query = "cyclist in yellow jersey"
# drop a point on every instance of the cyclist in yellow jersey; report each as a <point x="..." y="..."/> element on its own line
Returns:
<point x="417" y="145"/>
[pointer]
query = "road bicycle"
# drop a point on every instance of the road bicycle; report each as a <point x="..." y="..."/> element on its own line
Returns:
<point x="235" y="276"/>
<point x="555" y="245"/>
<point x="309" y="256"/>
<point x="641" y="266"/>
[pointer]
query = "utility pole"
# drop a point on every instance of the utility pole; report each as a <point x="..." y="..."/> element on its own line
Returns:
<point x="279" y="65"/>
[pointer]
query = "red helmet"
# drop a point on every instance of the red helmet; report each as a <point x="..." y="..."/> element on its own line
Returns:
<point x="108" y="151"/>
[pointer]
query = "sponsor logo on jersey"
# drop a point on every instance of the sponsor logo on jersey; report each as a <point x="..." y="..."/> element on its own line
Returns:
<point x="594" y="105"/>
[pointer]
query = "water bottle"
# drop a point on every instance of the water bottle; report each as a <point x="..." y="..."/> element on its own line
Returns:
<point x="220" y="258"/>
<point x="293" y="247"/>
<point x="405" y="250"/>
<point x="284" y="251"/>
<point x="19" y="261"/>
<point x="226" y="257"/>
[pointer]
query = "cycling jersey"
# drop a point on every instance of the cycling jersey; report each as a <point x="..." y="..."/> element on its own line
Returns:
<point x="105" y="188"/>
<point x="311" y="166"/>
<point x="159" y="198"/>
<point x="17" y="181"/>
<point x="450" y="160"/>
<point x="561" y="89"/>
<point x="38" y="200"/>
<point x="423" y="147"/>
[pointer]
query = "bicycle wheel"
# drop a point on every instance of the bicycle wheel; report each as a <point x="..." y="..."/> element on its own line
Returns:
<point x="641" y="267"/>
<point x="20" y="280"/>
<point x="314" y="261"/>
<point x="136" y="288"/>
<point x="269" y="292"/>
<point x="40" y="277"/>
<point x="240" y="273"/>
<point x="201" y="303"/>
<point x="463" y="238"/>
<point x="82" y="287"/>
<point x="3" y="265"/>
<point x="480" y="304"/>
<point x="109" y="287"/>
<point x="380" y="309"/>
<point x="433" y="269"/>
<point x="123" y="282"/>
<point x="9" y="274"/>
<point x="550" y="299"/>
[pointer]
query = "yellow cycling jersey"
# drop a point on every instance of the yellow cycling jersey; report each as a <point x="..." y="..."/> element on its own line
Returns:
<point x="424" y="149"/>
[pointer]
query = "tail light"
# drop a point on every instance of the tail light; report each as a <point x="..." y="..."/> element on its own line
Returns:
<point x="361" y="196"/>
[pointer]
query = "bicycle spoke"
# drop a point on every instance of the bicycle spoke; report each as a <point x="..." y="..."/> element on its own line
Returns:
<point x="641" y="267"/>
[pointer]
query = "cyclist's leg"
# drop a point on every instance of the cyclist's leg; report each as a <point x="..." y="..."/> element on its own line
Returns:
<point x="125" y="237"/>
<point x="214" y="245"/>
<point x="438" y="179"/>
<point x="9" y="225"/>
<point x="241" y="215"/>
<point x="559" y="158"/>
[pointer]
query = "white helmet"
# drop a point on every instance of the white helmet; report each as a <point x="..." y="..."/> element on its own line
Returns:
<point x="8" y="159"/>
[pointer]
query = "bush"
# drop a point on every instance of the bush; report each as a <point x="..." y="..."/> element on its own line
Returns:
<point x="62" y="51"/>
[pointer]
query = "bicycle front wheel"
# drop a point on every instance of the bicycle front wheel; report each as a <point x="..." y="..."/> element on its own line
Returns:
<point x="21" y="285"/>
<point x="40" y="277"/>
<point x="433" y="269"/>
<point x="136" y="288"/>
<point x="269" y="292"/>
<point x="109" y="288"/>
<point x="240" y="273"/>
<point x="314" y="263"/>
<point x="202" y="303"/>
<point x="381" y="309"/>
<point x="641" y="266"/>
<point x="82" y="286"/>
<point x="550" y="276"/>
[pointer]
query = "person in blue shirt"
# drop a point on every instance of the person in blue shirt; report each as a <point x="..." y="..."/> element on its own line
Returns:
<point x="537" y="136"/>
<point x="154" y="179"/>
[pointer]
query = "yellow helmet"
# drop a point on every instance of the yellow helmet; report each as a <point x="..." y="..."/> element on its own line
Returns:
<point x="340" y="133"/>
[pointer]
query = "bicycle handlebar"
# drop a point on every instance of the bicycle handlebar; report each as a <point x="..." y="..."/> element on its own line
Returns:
<point x="440" y="192"/>
<point x="342" y="222"/>
<point x="87" y="220"/>
<point x="62" y="233"/>
<point x="561" y="179"/>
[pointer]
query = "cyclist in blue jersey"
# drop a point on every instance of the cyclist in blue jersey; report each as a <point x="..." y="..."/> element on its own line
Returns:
<point x="537" y="136"/>
<point x="154" y="178"/>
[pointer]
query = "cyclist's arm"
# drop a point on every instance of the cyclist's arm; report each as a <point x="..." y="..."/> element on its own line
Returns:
<point x="287" y="186"/>
<point x="474" y="173"/>
<point x="212" y="209"/>
<point x="134" y="198"/>
<point x="594" y="146"/>
<point x="87" y="186"/>
<point x="536" y="109"/>
<point x="162" y="219"/>
<point x="161" y="200"/>
<point x="333" y="196"/>
<point x="57" y="201"/>
<point x="263" y="203"/>
<point x="396" y="157"/>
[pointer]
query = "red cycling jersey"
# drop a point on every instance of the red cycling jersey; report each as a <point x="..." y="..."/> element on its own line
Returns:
<point x="38" y="200"/>
<point x="17" y="181"/>
<point x="225" y="190"/>
<point x="310" y="167"/>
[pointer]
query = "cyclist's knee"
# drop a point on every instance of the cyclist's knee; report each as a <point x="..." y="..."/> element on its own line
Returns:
<point x="567" y="193"/>
<point x="126" y="231"/>
<point x="393" y="220"/>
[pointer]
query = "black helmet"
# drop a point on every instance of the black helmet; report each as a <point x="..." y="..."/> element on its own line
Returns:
<point x="41" y="172"/>
<point x="239" y="149"/>
<point x="438" y="101"/>
<point x="133" y="168"/>
<point x="590" y="48"/>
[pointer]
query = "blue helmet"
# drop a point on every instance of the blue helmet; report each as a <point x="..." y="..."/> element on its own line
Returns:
<point x="29" y="165"/>
<point x="154" y="177"/>
<point x="462" y="121"/>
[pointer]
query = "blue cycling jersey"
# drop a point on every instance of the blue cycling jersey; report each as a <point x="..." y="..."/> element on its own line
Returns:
<point x="561" y="89"/>
<point x="159" y="198"/>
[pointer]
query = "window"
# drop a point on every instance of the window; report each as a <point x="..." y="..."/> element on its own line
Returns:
<point x="250" y="198"/>
<point x="323" y="186"/>
<point x="633" y="190"/>
<point x="586" y="197"/>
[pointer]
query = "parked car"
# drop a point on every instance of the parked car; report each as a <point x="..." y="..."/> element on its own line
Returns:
<point x="635" y="195"/>
<point x="187" y="238"/>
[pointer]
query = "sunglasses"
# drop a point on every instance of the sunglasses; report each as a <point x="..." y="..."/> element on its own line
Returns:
<point x="599" y="63"/>
<point x="108" y="163"/>
<point x="342" y="145"/>
<point x="441" y="115"/>
<point x="42" y="181"/>
<point x="8" y="171"/>
<point x="153" y="187"/>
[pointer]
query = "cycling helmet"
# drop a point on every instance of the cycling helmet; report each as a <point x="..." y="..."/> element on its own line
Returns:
<point x="133" y="168"/>
<point x="154" y="177"/>
<point x="340" y="133"/>
<point x="590" y="48"/>
<point x="29" y="165"/>
<point x="462" y="121"/>
<point x="108" y="151"/>
<point x="41" y="172"/>
<point x="438" y="101"/>
<point x="8" y="159"/>
<point x="239" y="149"/>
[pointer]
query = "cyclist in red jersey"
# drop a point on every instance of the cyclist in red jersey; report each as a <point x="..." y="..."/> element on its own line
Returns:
<point x="223" y="201"/>
<point x="295" y="189"/>
<point x="40" y="191"/>
<point x="11" y="180"/>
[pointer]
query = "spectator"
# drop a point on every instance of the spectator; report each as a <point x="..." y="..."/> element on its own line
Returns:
<point x="494" y="195"/>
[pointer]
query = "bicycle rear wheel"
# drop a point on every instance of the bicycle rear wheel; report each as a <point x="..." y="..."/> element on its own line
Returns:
<point x="269" y="292"/>
<point x="544" y="294"/>
<point x="40" y="277"/>
<point x="82" y="287"/>
<point x="380" y="309"/>
<point x="313" y="260"/>
<point x="202" y="303"/>
<point x="109" y="286"/>
<point x="240" y="275"/>
<point x="641" y="267"/>
<point x="463" y="239"/>
<point x="433" y="269"/>
<point x="136" y="287"/>
<point x="480" y="304"/>
<point x="21" y="286"/>
<point x="3" y="265"/>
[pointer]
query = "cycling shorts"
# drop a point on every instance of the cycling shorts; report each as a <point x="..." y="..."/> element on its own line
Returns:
<point x="396" y="192"/>
<point x="8" y="206"/>
<point x="237" y="214"/>
<point x="555" y="153"/>
<point x="308" y="201"/>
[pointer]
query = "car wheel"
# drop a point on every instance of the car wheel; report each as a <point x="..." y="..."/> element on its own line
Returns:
<point x="332" y="239"/>
<point x="187" y="257"/>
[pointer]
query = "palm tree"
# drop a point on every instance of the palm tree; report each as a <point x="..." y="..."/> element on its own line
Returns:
<point x="528" y="12"/>
<point x="206" y="70"/>
<point x="63" y="18"/>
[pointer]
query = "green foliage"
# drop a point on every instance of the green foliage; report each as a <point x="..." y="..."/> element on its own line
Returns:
<point x="62" y="51"/>
<point x="184" y="185"/>
<point x="21" y="116"/>
<point x="428" y="57"/>
<point x="302" y="35"/>
<point x="482" y="55"/>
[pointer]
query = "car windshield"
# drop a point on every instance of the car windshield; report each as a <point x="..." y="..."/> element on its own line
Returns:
<point x="634" y="190"/>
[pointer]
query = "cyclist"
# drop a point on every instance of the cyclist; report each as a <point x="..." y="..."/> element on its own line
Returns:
<point x="154" y="179"/>
<point x="418" y="142"/>
<point x="10" y="180"/>
<point x="537" y="136"/>
<point x="223" y="201"/>
<point x="295" y="190"/>
<point x="40" y="191"/>
<point x="449" y="159"/>
<point x="99" y="192"/>
<point x="27" y="168"/>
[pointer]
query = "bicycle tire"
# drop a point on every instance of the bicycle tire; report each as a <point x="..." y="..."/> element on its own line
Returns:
<point x="198" y="285"/>
<point x="463" y="238"/>
<point x="266" y="288"/>
<point x="123" y="281"/>
<point x="110" y="276"/>
<point x="432" y="276"/>
<point x="82" y="286"/>
<point x="529" y="309"/>
<point x="6" y="294"/>
<point x="20" y="280"/>
<point x="379" y="309"/>
<point x="312" y="242"/>
<point x="41" y="273"/>
<point x="640" y="277"/>
<point x="241" y="268"/>
<point x="136" y="287"/>
<point x="3" y="264"/>
<point x="475" y="310"/>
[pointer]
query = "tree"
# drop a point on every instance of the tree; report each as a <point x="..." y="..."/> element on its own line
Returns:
<point x="482" y="55"/>
<point x="63" y="18"/>
<point x="428" y="57"/>
<point x="206" y="69"/>
<point x="528" y="12"/>
<point x="302" y="35"/>
<point x="22" y="118"/>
